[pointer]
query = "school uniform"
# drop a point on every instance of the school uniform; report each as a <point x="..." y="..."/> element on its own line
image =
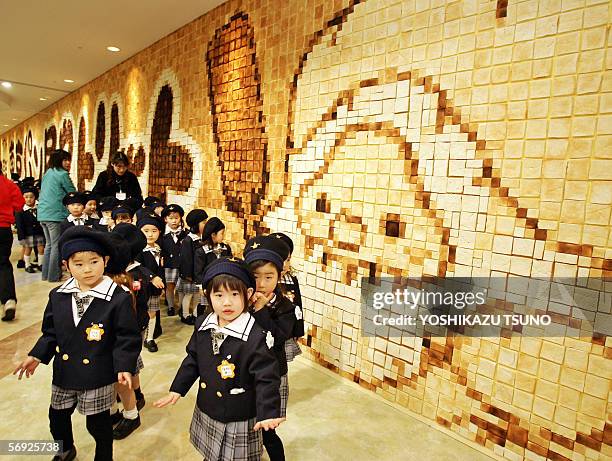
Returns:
<point x="239" y="385"/>
<point x="29" y="231"/>
<point x="278" y="317"/>
<point x="141" y="286"/>
<point x="187" y="284"/>
<point x="150" y="258"/>
<point x="206" y="254"/>
<point x="71" y="221"/>
<point x="171" y="252"/>
<point x="291" y="290"/>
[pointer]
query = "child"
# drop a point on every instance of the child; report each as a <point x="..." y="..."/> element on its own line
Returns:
<point x="171" y="248"/>
<point x="187" y="285"/>
<point x="290" y="288"/>
<point x="106" y="223"/>
<point x="90" y="331"/>
<point x="29" y="230"/>
<point x="91" y="205"/>
<point x="274" y="313"/>
<point x="230" y="355"/>
<point x="122" y="214"/>
<point x="131" y="242"/>
<point x="75" y="202"/>
<point x="151" y="226"/>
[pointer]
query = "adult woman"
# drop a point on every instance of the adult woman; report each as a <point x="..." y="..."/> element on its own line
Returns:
<point x="117" y="180"/>
<point x="56" y="183"/>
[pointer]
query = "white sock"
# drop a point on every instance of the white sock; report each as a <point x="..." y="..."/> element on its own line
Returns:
<point x="26" y="259"/>
<point x="186" y="304"/>
<point x="130" y="414"/>
<point x="151" y="329"/>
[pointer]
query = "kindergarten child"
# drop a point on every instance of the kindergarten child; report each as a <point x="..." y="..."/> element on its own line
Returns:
<point x="106" y="206"/>
<point x="229" y="353"/>
<point x="171" y="250"/>
<point x="187" y="285"/>
<point x="91" y="205"/>
<point x="274" y="313"/>
<point x="90" y="331"/>
<point x="29" y="230"/>
<point x="75" y="202"/>
<point x="122" y="214"/>
<point x="290" y="288"/>
<point x="151" y="226"/>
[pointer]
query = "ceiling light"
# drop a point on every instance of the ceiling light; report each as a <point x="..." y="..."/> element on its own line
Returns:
<point x="5" y="125"/>
<point x="43" y="99"/>
<point x="114" y="49"/>
<point x="14" y="119"/>
<point x="7" y="84"/>
<point x="67" y="80"/>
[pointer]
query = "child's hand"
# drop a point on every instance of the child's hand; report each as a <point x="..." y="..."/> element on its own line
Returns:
<point x="259" y="300"/>
<point x="157" y="282"/>
<point x="170" y="399"/>
<point x="125" y="378"/>
<point x="28" y="366"/>
<point x="268" y="424"/>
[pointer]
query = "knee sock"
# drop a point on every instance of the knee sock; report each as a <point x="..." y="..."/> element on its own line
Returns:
<point x="26" y="259"/>
<point x="60" y="423"/>
<point x="101" y="429"/>
<point x="151" y="329"/>
<point x="274" y="445"/>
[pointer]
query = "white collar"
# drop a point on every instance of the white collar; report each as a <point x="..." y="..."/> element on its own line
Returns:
<point x="103" y="290"/>
<point x="272" y="301"/>
<point x="239" y="328"/>
<point x="194" y="237"/>
<point x="168" y="230"/>
<point x="132" y="266"/>
<point x="26" y="208"/>
<point x="71" y="218"/>
<point x="152" y="249"/>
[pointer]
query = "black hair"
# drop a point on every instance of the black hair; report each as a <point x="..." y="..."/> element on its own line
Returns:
<point x="57" y="158"/>
<point x="229" y="283"/>
<point x="253" y="266"/>
<point x="118" y="157"/>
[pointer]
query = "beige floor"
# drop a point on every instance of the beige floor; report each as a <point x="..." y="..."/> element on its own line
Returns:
<point x="329" y="418"/>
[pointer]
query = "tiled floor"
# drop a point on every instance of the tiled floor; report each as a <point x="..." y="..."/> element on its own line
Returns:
<point x="329" y="418"/>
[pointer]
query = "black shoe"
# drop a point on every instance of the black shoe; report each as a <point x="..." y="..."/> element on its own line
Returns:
<point x="20" y="264"/>
<point x="116" y="417"/>
<point x="151" y="346"/>
<point x="171" y="312"/>
<point x="9" y="315"/>
<point x="140" y="402"/>
<point x="189" y="320"/>
<point x="66" y="456"/>
<point x="30" y="270"/>
<point x="125" y="427"/>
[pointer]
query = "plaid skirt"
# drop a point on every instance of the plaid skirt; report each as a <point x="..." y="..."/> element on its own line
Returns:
<point x="284" y="395"/>
<point x="172" y="274"/>
<point x="88" y="402"/>
<point x="32" y="241"/>
<point x="186" y="288"/>
<point x="217" y="441"/>
<point x="292" y="349"/>
<point x="139" y="364"/>
<point x="153" y="303"/>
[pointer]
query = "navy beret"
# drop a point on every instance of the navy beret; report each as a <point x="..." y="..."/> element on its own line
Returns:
<point x="285" y="238"/>
<point x="81" y="238"/>
<point x="173" y="208"/>
<point x="89" y="195"/>
<point x="228" y="266"/>
<point x="108" y="203"/>
<point x="132" y="236"/>
<point x="195" y="217"/>
<point x="267" y="242"/>
<point x="122" y="209"/>
<point x="74" y="197"/>
<point x="152" y="219"/>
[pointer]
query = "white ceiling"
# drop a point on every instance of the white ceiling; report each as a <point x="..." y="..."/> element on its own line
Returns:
<point x="44" y="42"/>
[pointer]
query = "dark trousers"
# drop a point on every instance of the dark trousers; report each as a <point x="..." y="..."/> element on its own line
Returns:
<point x="7" y="280"/>
<point x="274" y="445"/>
<point x="99" y="426"/>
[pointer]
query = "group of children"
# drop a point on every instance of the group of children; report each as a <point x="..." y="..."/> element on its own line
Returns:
<point x="247" y="317"/>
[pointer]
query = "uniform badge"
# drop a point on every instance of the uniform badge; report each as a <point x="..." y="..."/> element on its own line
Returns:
<point x="269" y="340"/>
<point x="298" y="313"/>
<point x="94" y="332"/>
<point x="226" y="370"/>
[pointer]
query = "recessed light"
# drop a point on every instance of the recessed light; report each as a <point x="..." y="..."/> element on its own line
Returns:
<point x="7" y="84"/>
<point x="43" y="99"/>
<point x="5" y="125"/>
<point x="67" y="80"/>
<point x="14" y="119"/>
<point x="114" y="49"/>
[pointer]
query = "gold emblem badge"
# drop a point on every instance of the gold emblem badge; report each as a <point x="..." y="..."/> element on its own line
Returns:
<point x="226" y="370"/>
<point x="94" y="332"/>
<point x="255" y="245"/>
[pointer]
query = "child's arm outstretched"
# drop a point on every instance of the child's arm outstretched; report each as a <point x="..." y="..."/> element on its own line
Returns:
<point x="44" y="348"/>
<point x="186" y="375"/>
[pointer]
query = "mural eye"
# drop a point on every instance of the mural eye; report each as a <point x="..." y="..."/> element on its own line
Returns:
<point x="322" y="205"/>
<point x="392" y="225"/>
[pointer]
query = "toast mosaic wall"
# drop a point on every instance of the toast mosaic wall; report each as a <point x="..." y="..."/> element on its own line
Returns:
<point x="390" y="137"/>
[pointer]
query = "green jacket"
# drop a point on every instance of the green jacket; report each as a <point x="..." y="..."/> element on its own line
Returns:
<point x="56" y="183"/>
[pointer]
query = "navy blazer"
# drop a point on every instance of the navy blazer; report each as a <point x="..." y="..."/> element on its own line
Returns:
<point x="80" y="362"/>
<point x="171" y="251"/>
<point x="148" y="260"/>
<point x="27" y="224"/>
<point x="187" y="264"/>
<point x="250" y="389"/>
<point x="65" y="224"/>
